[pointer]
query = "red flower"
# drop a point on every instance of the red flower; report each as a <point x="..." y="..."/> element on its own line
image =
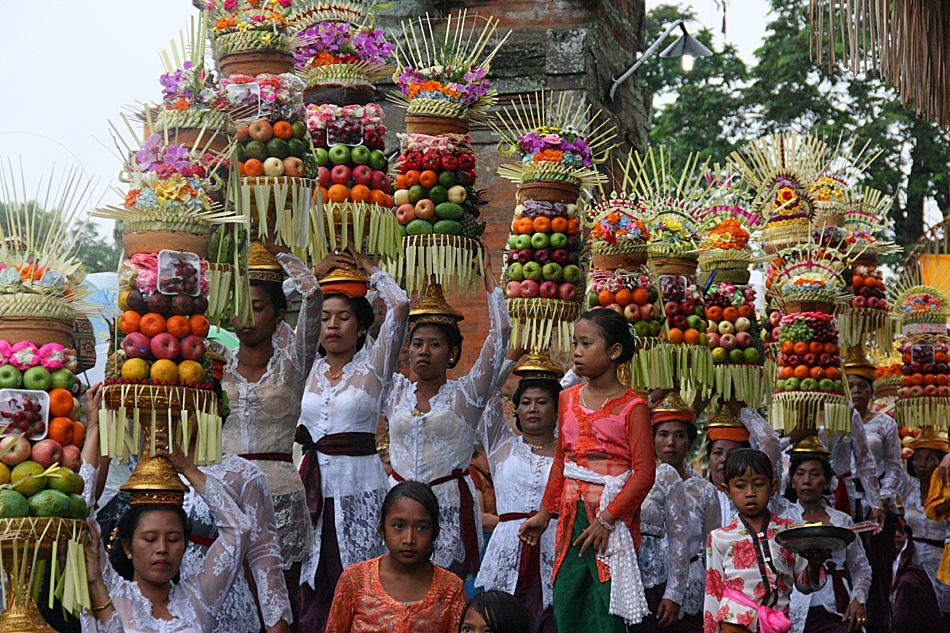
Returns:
<point x="759" y="591"/>
<point x="744" y="619"/>
<point x="709" y="623"/>
<point x="714" y="584"/>
<point x="722" y="613"/>
<point x="788" y="557"/>
<point x="736" y="584"/>
<point x="743" y="554"/>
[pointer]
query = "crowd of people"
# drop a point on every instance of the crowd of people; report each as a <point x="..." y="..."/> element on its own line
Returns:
<point x="588" y="511"/>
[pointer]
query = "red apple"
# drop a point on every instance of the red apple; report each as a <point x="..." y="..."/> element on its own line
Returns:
<point x="548" y="290"/>
<point x="810" y="360"/>
<point x="379" y="181"/>
<point x="323" y="176"/>
<point x="363" y="175"/>
<point x="406" y="213"/>
<point x="559" y="256"/>
<point x="568" y="292"/>
<point x="647" y="311"/>
<point x="943" y="391"/>
<point x="261" y="131"/>
<point x="744" y="339"/>
<point x="136" y="345"/>
<point x="293" y="167"/>
<point x="192" y="347"/>
<point x="425" y="209"/>
<point x="632" y="313"/>
<point x="728" y="341"/>
<point x="165" y="345"/>
<point x="241" y="133"/>
<point x="930" y="391"/>
<point x="529" y="288"/>
<point x="713" y="339"/>
<point x="916" y="391"/>
<point x="859" y="302"/>
<point x="671" y="308"/>
<point x="341" y="174"/>
<point x="688" y="307"/>
<point x="17" y="454"/>
<point x="513" y="290"/>
<point x="47" y="452"/>
<point x="72" y="457"/>
<point x="616" y="307"/>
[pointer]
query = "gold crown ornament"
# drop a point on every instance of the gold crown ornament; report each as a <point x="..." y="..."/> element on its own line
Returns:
<point x="726" y="426"/>
<point x="433" y="309"/>
<point x="810" y="444"/>
<point x="345" y="280"/>
<point x="262" y="266"/>
<point x="672" y="408"/>
<point x="930" y="438"/>
<point x="538" y="366"/>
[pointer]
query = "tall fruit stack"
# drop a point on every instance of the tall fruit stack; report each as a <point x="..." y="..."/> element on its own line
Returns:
<point x="338" y="55"/>
<point x="42" y="514"/>
<point x="441" y="69"/>
<point x="558" y="144"/>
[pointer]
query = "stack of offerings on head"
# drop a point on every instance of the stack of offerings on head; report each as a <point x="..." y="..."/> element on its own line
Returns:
<point x="42" y="512"/>
<point x="559" y="144"/>
<point x="339" y="54"/>
<point x="731" y="327"/>
<point x="441" y="69"/>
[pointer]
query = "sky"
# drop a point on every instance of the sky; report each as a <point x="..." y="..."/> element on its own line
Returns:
<point x="66" y="81"/>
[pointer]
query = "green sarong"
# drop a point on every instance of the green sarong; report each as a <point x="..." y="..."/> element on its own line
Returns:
<point x="581" y="600"/>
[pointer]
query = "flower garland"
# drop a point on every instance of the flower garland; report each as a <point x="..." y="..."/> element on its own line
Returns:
<point x="439" y="83"/>
<point x="617" y="226"/>
<point x="24" y="355"/>
<point x="277" y="89"/>
<point x="917" y="304"/>
<point x="369" y="116"/>
<point x="331" y="43"/>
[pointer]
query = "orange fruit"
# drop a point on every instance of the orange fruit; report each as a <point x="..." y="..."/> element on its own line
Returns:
<point x="542" y="224"/>
<point x="338" y="193"/>
<point x="624" y="297"/>
<point x="379" y="198"/>
<point x="428" y="179"/>
<point x="943" y="379"/>
<point x="324" y="194"/>
<point x="817" y="372"/>
<point x="857" y="281"/>
<point x="178" y="326"/>
<point x="802" y="372"/>
<point x="641" y="297"/>
<point x="744" y="311"/>
<point x="816" y="348"/>
<point x="283" y="129"/>
<point x="714" y="313"/>
<point x="79" y="433"/>
<point x="241" y="168"/>
<point x="833" y="373"/>
<point x="605" y="297"/>
<point x="199" y="325"/>
<point x="558" y="225"/>
<point x="801" y="348"/>
<point x="164" y="370"/>
<point x="400" y="182"/>
<point x="525" y="226"/>
<point x="60" y="429"/>
<point x="930" y="379"/>
<point x="573" y="226"/>
<point x="360" y="193"/>
<point x="675" y="335"/>
<point x="412" y="177"/>
<point x="691" y="336"/>
<point x="788" y="347"/>
<point x="830" y="348"/>
<point x="60" y="402"/>
<point x="941" y="357"/>
<point x="253" y="168"/>
<point x="129" y="322"/>
<point x="730" y="314"/>
<point x="917" y="380"/>
<point x="152" y="324"/>
<point x="786" y="372"/>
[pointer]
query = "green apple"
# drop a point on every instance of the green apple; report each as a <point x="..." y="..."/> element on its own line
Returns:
<point x="826" y="384"/>
<point x="10" y="377"/>
<point x="655" y="328"/>
<point x="255" y="149"/>
<point x="652" y="295"/>
<point x="532" y="271"/>
<point x="299" y="128"/>
<point x="360" y="155"/>
<point x="516" y="272"/>
<point x="37" y="378"/>
<point x="438" y="194"/>
<point x="377" y="160"/>
<point x="593" y="301"/>
<point x="752" y="355"/>
<point x="512" y="241"/>
<point x="572" y="274"/>
<point x="558" y="240"/>
<point x="792" y="384"/>
<point x="446" y="179"/>
<point x="695" y="322"/>
<point x="719" y="355"/>
<point x="339" y="154"/>
<point x="809" y="384"/>
<point x="642" y="328"/>
<point x="322" y="156"/>
<point x="735" y="356"/>
<point x="540" y="240"/>
<point x="63" y="379"/>
<point x="522" y="242"/>
<point x="297" y="147"/>
<point x="416" y="193"/>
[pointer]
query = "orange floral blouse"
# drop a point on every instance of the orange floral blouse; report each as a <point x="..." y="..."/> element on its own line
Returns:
<point x="361" y="605"/>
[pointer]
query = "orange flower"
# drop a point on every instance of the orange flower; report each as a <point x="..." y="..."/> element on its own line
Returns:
<point x="323" y="59"/>
<point x="548" y="155"/>
<point x="181" y="104"/>
<point x="432" y="86"/>
<point x="131" y="197"/>
<point x="224" y="23"/>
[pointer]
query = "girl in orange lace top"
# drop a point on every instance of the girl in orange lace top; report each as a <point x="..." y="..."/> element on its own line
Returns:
<point x="603" y="469"/>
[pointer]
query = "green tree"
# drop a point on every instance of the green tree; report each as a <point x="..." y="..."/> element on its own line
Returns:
<point x="97" y="254"/>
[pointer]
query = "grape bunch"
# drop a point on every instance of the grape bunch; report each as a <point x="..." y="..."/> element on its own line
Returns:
<point x="795" y="331"/>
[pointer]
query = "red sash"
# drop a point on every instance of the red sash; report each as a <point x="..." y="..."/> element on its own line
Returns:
<point x="352" y="444"/>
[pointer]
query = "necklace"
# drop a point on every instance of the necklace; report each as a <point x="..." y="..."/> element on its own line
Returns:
<point x="537" y="447"/>
<point x="586" y="405"/>
<point x="334" y="375"/>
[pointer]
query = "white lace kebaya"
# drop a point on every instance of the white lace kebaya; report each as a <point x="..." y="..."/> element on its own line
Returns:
<point x="431" y="446"/>
<point x="704" y="517"/>
<point x="357" y="484"/>
<point x="194" y="601"/>
<point x="664" y="555"/>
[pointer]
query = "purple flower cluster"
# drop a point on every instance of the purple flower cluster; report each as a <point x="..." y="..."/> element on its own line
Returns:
<point x="192" y="84"/>
<point x="445" y="84"/>
<point x="168" y="160"/>
<point x="574" y="147"/>
<point x="341" y="40"/>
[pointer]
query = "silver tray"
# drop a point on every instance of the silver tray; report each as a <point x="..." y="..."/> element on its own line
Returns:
<point x="824" y="538"/>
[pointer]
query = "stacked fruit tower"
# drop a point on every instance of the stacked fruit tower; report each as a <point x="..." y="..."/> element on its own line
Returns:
<point x="558" y="144"/>
<point x="159" y="375"/>
<point x="888" y="380"/>
<point x="673" y="199"/>
<point x="922" y="312"/>
<point x="441" y="69"/>
<point x="732" y="329"/>
<point x="810" y="388"/>
<point x="338" y="55"/>
<point x="42" y="512"/>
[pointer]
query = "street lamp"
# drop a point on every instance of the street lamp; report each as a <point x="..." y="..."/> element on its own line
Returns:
<point x="686" y="46"/>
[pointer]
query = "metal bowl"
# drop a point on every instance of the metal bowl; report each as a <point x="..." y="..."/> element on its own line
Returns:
<point x="824" y="538"/>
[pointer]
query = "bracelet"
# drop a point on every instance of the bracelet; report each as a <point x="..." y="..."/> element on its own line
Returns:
<point x="607" y="526"/>
<point x="107" y="604"/>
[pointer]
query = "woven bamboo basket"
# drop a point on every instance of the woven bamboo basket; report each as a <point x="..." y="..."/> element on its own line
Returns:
<point x="195" y="138"/>
<point x="256" y="62"/>
<point x="434" y="124"/>
<point x="674" y="265"/>
<point x="37" y="330"/>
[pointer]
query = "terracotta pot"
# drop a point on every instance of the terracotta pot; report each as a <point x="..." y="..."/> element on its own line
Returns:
<point x="627" y="261"/>
<point x="738" y="276"/>
<point x="434" y="125"/>
<point x="340" y="95"/>
<point x="37" y="330"/>
<point x="256" y="62"/>
<point x="155" y="241"/>
<point x="866" y="260"/>
<point x="549" y="191"/>
<point x="674" y="265"/>
<point x="791" y="307"/>
<point x="215" y="142"/>
<point x="829" y="219"/>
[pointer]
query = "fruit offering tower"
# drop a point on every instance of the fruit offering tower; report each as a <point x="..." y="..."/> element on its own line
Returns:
<point x="42" y="512"/>
<point x="558" y="144"/>
<point x="922" y="312"/>
<point x="810" y="389"/>
<point x="731" y="327"/>
<point x="339" y="54"/>
<point x="779" y="168"/>
<point x="441" y="69"/>
<point x="160" y="374"/>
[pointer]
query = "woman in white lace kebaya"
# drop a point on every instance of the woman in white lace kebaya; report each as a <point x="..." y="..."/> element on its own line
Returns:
<point x="340" y="412"/>
<point x="433" y="421"/>
<point x="520" y="465"/>
<point x="674" y="431"/>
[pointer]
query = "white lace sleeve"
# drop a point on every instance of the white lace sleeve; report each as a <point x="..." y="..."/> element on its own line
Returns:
<point x="570" y="379"/>
<point x="860" y="570"/>
<point x="477" y="385"/>
<point x="712" y="517"/>
<point x="763" y="438"/>
<point x="307" y="332"/>
<point x="112" y="625"/>
<point x="384" y="355"/>
<point x="223" y="561"/>
<point x="676" y="511"/>
<point x="893" y="466"/>
<point x="864" y="461"/>
<point x="495" y="430"/>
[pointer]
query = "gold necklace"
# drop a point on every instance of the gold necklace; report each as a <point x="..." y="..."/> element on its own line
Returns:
<point x="590" y="408"/>
<point x="537" y="447"/>
<point x="334" y="376"/>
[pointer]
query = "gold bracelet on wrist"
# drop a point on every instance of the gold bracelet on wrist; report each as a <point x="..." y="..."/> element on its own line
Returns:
<point x="100" y="608"/>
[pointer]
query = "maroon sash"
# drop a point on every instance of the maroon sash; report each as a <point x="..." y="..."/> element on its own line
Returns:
<point x="842" y="597"/>
<point x="842" y="499"/>
<point x="466" y="516"/>
<point x="268" y="457"/>
<point x="202" y="540"/>
<point x="529" y="561"/>
<point x="352" y="444"/>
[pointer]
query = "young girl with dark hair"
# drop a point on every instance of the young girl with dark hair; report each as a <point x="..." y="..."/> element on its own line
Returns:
<point x="603" y="469"/>
<point x="401" y="591"/>
<point x="495" y="611"/>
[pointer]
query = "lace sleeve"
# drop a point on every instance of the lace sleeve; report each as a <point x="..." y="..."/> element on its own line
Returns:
<point x="864" y="461"/>
<point x="642" y="461"/>
<point x="307" y="332"/>
<point x="712" y="517"/>
<point x="477" y="385"/>
<point x="112" y="625"/>
<point x="892" y="458"/>
<point x="764" y="437"/>
<point x="860" y="570"/>
<point x="676" y="511"/>
<point x="223" y="561"/>
<point x="384" y="356"/>
<point x="495" y="430"/>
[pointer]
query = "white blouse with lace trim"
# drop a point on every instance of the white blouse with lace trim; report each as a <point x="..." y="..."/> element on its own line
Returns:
<point x="704" y="517"/>
<point x="664" y="517"/>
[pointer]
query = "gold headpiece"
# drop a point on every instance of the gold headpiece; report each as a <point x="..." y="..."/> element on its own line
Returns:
<point x="810" y="444"/>
<point x="538" y="366"/>
<point x="345" y="280"/>
<point x="725" y="426"/>
<point x="262" y="266"/>
<point x="929" y="438"/>
<point x="672" y="409"/>
<point x="857" y="364"/>
<point x="434" y="309"/>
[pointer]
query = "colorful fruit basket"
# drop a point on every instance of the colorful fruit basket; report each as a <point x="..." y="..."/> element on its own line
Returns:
<point x="725" y="252"/>
<point x="737" y="349"/>
<point x="618" y="237"/>
<point x="252" y="37"/>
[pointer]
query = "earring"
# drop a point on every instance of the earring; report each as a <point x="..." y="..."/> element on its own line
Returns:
<point x="128" y="555"/>
<point x="360" y="333"/>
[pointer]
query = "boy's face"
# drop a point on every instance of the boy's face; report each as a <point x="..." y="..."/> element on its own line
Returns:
<point x="750" y="493"/>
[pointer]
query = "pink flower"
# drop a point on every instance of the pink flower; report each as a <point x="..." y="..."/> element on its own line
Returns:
<point x="759" y="591"/>
<point x="736" y="584"/>
<point x="714" y="584"/>
<point x="744" y="619"/>
<point x="164" y="171"/>
<point x="209" y="5"/>
<point x="230" y="5"/>
<point x="709" y="623"/>
<point x="743" y="555"/>
<point x="23" y="355"/>
<point x="52" y="356"/>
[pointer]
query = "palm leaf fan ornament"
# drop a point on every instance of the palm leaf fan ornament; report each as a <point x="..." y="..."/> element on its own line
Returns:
<point x="555" y="138"/>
